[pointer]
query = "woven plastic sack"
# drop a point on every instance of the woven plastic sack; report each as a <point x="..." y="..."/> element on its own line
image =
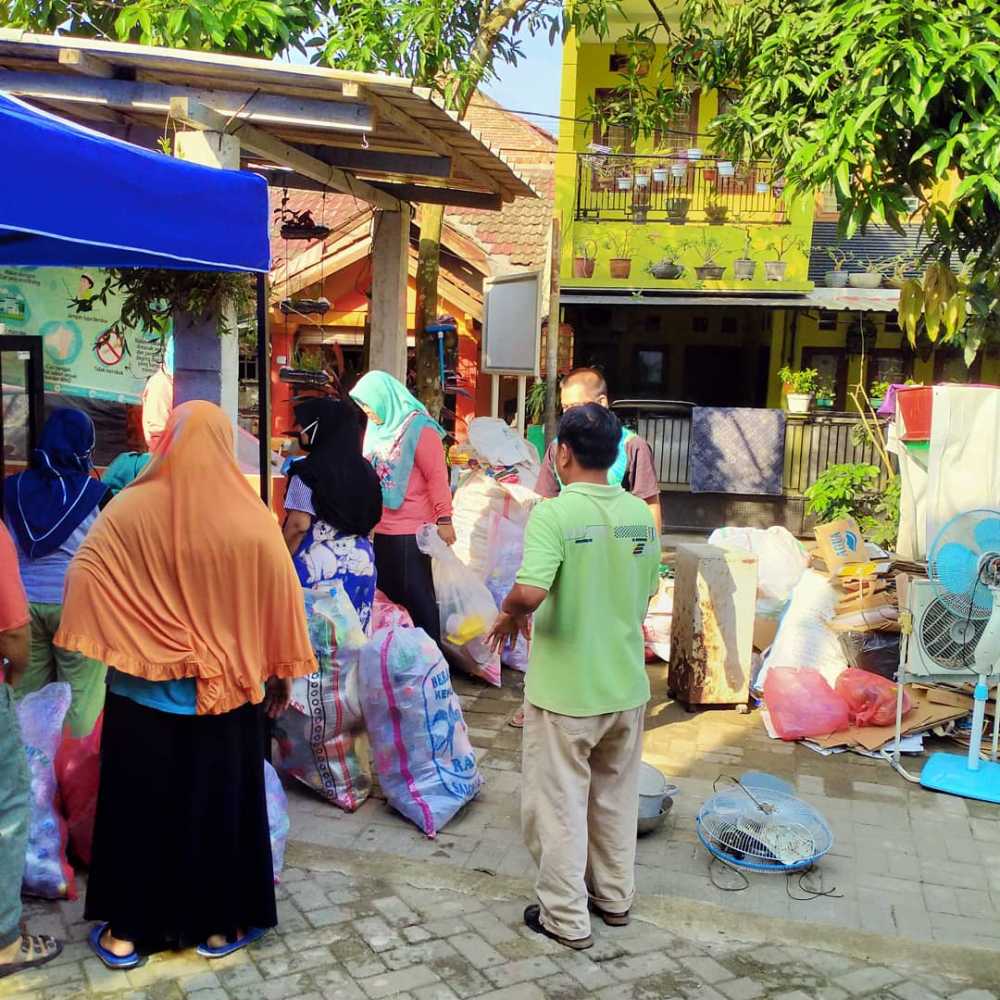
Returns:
<point x="420" y="743"/>
<point x="801" y="703"/>
<point x="781" y="558"/>
<point x="506" y="550"/>
<point x="278" y="823"/>
<point x="386" y="614"/>
<point x="870" y="699"/>
<point x="40" y="716"/>
<point x="658" y="622"/>
<point x="317" y="735"/>
<point x="78" y="773"/>
<point x="466" y="607"/>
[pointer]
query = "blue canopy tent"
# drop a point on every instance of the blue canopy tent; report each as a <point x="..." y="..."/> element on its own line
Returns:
<point x="73" y="197"/>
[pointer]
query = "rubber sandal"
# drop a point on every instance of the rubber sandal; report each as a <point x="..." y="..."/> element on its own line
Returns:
<point x="32" y="942"/>
<point x="109" y="958"/>
<point x="254" y="934"/>
<point x="533" y="921"/>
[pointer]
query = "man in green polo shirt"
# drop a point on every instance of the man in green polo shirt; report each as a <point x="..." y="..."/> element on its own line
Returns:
<point x="591" y="564"/>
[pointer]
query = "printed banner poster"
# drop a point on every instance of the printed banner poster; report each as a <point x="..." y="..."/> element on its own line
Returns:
<point x="86" y="352"/>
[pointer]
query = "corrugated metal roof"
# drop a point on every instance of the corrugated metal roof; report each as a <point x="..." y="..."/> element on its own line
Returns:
<point x="879" y="242"/>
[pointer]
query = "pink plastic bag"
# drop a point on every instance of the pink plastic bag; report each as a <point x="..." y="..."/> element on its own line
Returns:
<point x="801" y="703"/>
<point x="870" y="699"/>
<point x="78" y="772"/>
<point x="385" y="614"/>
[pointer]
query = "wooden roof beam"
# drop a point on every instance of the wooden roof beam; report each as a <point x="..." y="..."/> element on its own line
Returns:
<point x="82" y="62"/>
<point x="261" y="143"/>
<point x="388" y="111"/>
<point x="146" y="97"/>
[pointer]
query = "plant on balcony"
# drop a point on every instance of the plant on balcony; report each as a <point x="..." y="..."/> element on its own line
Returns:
<point x="710" y="174"/>
<point x="716" y="213"/>
<point x="708" y="249"/>
<point x="837" y="278"/>
<point x="825" y="394"/>
<point x="853" y="490"/>
<point x="897" y="269"/>
<point x="641" y="175"/>
<point x="661" y="170"/>
<point x="679" y="168"/>
<point x="677" y="210"/>
<point x="876" y="393"/>
<point x="775" y="268"/>
<point x="871" y="273"/>
<point x="800" y="387"/>
<point x="620" y="246"/>
<point x="744" y="267"/>
<point x="624" y="179"/>
<point x="584" y="258"/>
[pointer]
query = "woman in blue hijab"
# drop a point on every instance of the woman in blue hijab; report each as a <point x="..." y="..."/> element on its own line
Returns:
<point x="49" y="508"/>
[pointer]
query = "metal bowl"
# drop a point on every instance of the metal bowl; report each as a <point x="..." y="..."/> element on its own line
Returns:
<point x="648" y="824"/>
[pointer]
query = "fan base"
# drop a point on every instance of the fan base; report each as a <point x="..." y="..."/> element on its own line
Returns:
<point x="949" y="772"/>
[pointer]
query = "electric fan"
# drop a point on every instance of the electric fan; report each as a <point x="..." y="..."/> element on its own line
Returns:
<point x="964" y="567"/>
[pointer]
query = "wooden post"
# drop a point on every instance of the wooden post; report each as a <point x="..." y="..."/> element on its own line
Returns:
<point x="552" y="338"/>
<point x="390" y="256"/>
<point x="206" y="366"/>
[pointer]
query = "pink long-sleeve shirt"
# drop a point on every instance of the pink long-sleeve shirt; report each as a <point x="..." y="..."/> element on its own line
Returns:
<point x="428" y="496"/>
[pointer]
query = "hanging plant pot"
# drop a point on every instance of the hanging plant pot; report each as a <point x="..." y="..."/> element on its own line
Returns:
<point x="583" y="267"/>
<point x="678" y="171"/>
<point x="762" y="187"/>
<point x="744" y="269"/>
<point x="660" y="175"/>
<point x="642" y="180"/>
<point x="726" y="168"/>
<point x="774" y="270"/>
<point x="621" y="267"/>
<point x="711" y="174"/>
<point x="710" y="272"/>
<point x="694" y="153"/>
<point x="624" y="183"/>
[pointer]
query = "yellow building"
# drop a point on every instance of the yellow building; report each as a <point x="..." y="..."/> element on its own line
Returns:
<point x="688" y="277"/>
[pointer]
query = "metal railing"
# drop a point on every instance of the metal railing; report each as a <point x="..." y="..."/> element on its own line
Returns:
<point x="812" y="444"/>
<point x="676" y="190"/>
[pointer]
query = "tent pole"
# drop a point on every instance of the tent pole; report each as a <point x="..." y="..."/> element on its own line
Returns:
<point x="263" y="390"/>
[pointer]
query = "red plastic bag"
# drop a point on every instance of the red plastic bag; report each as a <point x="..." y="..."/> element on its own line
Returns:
<point x="871" y="699"/>
<point x="78" y="771"/>
<point x="801" y="703"/>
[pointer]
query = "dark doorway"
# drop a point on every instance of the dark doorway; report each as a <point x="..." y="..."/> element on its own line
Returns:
<point x="715" y="376"/>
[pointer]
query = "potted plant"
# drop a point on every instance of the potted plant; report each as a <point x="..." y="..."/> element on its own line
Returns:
<point x="624" y="179"/>
<point x="896" y="269"/>
<point x="667" y="268"/>
<point x="726" y="168"/>
<point x="677" y="210"/>
<point x="710" y="174"/>
<point x="694" y="153"/>
<point x="800" y="387"/>
<point x="824" y="395"/>
<point x="708" y="249"/>
<point x="745" y="267"/>
<point x="870" y="277"/>
<point x="584" y="258"/>
<point x="837" y="278"/>
<point x="762" y="187"/>
<point x="876" y="393"/>
<point x="716" y="213"/>
<point x="620" y="264"/>
<point x="678" y="169"/>
<point x="774" y="269"/>
<point x="661" y="172"/>
<point x="642" y="176"/>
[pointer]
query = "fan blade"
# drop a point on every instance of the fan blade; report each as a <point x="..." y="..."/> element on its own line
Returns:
<point x="987" y="535"/>
<point x="957" y="568"/>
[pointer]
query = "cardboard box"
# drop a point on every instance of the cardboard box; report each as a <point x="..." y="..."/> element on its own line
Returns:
<point x="765" y="628"/>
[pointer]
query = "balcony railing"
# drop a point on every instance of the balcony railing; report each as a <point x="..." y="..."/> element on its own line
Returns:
<point x="676" y="189"/>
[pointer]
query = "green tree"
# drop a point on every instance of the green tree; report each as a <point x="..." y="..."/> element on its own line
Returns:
<point x="452" y="47"/>
<point x="251" y="27"/>
<point x="884" y="100"/>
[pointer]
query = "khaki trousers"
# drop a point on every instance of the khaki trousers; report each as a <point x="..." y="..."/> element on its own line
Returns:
<point x="579" y="810"/>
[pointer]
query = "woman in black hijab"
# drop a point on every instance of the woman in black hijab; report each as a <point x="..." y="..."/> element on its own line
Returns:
<point x="332" y="503"/>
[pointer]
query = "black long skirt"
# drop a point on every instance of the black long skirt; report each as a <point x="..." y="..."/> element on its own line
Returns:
<point x="181" y="844"/>
<point x="404" y="575"/>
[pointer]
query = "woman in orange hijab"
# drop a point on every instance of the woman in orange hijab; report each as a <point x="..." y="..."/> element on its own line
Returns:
<point x="185" y="588"/>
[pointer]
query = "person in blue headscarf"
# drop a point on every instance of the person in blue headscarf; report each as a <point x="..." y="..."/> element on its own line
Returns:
<point x="49" y="508"/>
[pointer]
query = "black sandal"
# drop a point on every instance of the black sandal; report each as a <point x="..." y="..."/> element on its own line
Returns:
<point x="47" y="948"/>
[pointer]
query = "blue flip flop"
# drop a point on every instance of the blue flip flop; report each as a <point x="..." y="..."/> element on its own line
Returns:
<point x="109" y="958"/>
<point x="254" y="934"/>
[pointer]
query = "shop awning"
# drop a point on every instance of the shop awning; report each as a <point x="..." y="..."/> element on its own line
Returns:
<point x="833" y="299"/>
<point x="70" y="196"/>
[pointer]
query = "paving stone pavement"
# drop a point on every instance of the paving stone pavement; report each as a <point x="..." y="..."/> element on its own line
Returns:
<point x="906" y="862"/>
<point x="344" y="936"/>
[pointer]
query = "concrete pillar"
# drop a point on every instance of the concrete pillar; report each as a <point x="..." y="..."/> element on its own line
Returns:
<point x="390" y="257"/>
<point x="206" y="366"/>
